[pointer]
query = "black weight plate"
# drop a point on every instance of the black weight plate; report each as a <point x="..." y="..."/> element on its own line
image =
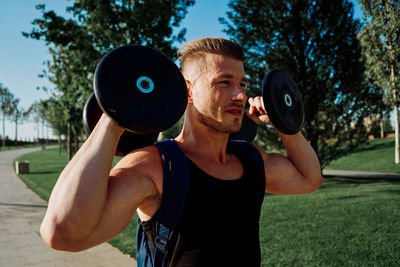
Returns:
<point x="247" y="132"/>
<point x="140" y="88"/>
<point x="91" y="114"/>
<point x="283" y="102"/>
<point x="128" y="141"/>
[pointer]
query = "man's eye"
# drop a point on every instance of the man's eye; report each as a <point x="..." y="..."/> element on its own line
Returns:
<point x="223" y="82"/>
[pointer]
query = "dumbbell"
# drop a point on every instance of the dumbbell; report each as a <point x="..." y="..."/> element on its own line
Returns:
<point x="283" y="102"/>
<point x="128" y="141"/>
<point x="142" y="90"/>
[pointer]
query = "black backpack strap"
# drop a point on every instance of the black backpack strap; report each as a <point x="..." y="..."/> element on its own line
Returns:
<point x="175" y="190"/>
<point x="250" y="152"/>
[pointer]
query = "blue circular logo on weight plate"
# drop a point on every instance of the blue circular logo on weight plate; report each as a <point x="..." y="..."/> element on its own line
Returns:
<point x="145" y="84"/>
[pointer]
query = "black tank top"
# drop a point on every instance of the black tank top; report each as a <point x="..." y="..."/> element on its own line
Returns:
<point x="220" y="222"/>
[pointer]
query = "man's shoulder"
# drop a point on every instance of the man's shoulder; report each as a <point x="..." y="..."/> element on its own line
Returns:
<point x="144" y="162"/>
<point x="143" y="157"/>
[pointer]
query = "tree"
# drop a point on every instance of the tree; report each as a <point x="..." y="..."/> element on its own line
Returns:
<point x="6" y="107"/>
<point x="95" y="27"/>
<point x="18" y="116"/>
<point x="381" y="48"/>
<point x="34" y="113"/>
<point x="53" y="114"/>
<point x="118" y="22"/>
<point x="316" y="43"/>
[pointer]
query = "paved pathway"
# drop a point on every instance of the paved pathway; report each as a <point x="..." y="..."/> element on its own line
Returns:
<point x="21" y="212"/>
<point x="360" y="174"/>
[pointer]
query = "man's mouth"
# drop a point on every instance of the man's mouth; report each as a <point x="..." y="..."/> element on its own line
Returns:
<point x="236" y="111"/>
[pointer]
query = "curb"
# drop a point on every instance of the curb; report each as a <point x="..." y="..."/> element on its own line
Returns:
<point x="361" y="174"/>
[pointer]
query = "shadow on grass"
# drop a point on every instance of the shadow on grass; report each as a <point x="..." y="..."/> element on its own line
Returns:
<point x="373" y="146"/>
<point x="43" y="172"/>
<point x="391" y="191"/>
<point x="345" y="197"/>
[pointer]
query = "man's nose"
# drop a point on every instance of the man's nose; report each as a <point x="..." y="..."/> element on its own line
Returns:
<point x="239" y="94"/>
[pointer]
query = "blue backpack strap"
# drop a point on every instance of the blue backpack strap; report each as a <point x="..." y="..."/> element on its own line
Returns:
<point x="249" y="151"/>
<point x="175" y="189"/>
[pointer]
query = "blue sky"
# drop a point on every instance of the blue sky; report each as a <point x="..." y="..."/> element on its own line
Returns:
<point x="21" y="59"/>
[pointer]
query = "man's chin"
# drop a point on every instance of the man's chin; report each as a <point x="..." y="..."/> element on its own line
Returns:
<point x="235" y="129"/>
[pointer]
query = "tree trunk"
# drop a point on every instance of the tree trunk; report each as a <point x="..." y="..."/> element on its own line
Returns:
<point x="396" y="118"/>
<point x="381" y="126"/>
<point x="59" y="144"/>
<point x="38" y="131"/>
<point x="69" y="141"/>
<point x="396" y="134"/>
<point x="4" y="130"/>
<point x="76" y="141"/>
<point x="47" y="134"/>
<point x="16" y="130"/>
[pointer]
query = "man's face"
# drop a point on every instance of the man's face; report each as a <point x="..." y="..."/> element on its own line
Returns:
<point x="218" y="93"/>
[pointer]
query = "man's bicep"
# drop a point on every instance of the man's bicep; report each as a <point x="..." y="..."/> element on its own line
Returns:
<point x="282" y="177"/>
<point x="128" y="187"/>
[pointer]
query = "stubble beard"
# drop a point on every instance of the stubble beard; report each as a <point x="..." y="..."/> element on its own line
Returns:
<point x="216" y="125"/>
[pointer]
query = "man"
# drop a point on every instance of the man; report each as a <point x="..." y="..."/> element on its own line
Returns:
<point x="90" y="204"/>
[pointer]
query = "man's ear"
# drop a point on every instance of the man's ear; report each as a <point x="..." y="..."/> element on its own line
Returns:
<point x="189" y="87"/>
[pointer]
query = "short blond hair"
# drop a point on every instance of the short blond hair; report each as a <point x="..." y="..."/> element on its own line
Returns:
<point x="196" y="49"/>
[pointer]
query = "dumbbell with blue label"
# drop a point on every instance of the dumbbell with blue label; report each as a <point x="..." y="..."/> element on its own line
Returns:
<point x="143" y="91"/>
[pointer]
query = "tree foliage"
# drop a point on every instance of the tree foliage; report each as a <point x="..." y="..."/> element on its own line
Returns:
<point x="380" y="40"/>
<point x="34" y="113"/>
<point x="52" y="112"/>
<point x="94" y="28"/>
<point x="18" y="116"/>
<point x="7" y="102"/>
<point x="9" y="106"/>
<point x="316" y="43"/>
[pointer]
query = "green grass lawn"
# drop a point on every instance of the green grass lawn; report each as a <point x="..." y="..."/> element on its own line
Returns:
<point x="377" y="155"/>
<point x="44" y="166"/>
<point x="347" y="222"/>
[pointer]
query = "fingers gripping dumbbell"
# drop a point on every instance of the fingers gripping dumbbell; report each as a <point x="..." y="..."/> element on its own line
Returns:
<point x="128" y="141"/>
<point x="283" y="103"/>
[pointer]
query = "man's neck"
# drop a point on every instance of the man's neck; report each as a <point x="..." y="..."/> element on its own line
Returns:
<point x="200" y="141"/>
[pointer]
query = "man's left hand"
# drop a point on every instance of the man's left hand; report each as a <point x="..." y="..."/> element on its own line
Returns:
<point x="257" y="111"/>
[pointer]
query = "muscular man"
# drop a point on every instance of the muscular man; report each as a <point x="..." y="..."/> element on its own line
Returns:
<point x="90" y="204"/>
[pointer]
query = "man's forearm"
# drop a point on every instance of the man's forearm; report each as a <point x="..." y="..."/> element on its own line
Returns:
<point x="78" y="198"/>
